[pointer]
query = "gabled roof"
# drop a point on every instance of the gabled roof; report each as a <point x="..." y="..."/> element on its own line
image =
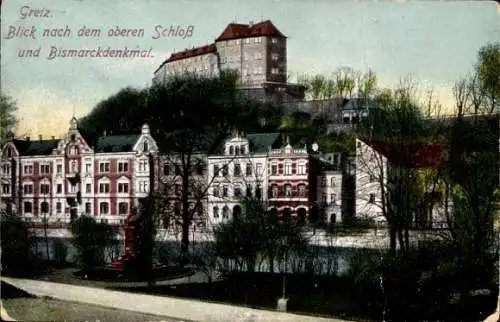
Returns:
<point x="413" y="155"/>
<point x="236" y="31"/>
<point x="198" y="51"/>
<point x="260" y="142"/>
<point x="116" y="143"/>
<point x="30" y="148"/>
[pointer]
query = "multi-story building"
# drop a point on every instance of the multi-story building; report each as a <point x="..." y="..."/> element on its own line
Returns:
<point x="284" y="177"/>
<point x="44" y="179"/>
<point x="289" y="185"/>
<point x="240" y="170"/>
<point x="329" y="186"/>
<point x="376" y="170"/>
<point x="171" y="170"/>
<point x="258" y="52"/>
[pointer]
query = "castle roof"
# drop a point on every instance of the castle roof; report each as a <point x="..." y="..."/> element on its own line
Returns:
<point x="238" y="31"/>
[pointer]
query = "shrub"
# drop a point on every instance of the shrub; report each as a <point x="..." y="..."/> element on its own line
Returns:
<point x="60" y="251"/>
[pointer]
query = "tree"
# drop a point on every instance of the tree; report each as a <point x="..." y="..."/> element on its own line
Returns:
<point x="91" y="240"/>
<point x="15" y="245"/>
<point x="256" y="233"/>
<point x="392" y="135"/>
<point x="8" y="119"/>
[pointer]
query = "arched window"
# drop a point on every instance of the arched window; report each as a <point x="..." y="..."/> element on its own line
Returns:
<point x="216" y="212"/>
<point x="231" y="150"/>
<point x="145" y="146"/>
<point x="237" y="150"/>
<point x="225" y="212"/>
<point x="44" y="207"/>
<point x="73" y="166"/>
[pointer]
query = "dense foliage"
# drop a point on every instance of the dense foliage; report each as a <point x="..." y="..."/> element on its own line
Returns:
<point x="92" y="240"/>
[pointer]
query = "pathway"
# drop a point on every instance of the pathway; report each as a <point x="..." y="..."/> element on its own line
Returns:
<point x="161" y="306"/>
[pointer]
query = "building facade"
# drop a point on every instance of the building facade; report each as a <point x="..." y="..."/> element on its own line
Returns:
<point x="377" y="168"/>
<point x="47" y="180"/>
<point x="257" y="52"/>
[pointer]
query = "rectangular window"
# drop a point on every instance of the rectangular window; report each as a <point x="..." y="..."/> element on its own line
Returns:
<point x="104" y="188"/>
<point x="28" y="169"/>
<point x="44" y="188"/>
<point x="216" y="192"/>
<point x="323" y="199"/>
<point x="258" y="55"/>
<point x="58" y="207"/>
<point x="72" y="189"/>
<point x="123" y="208"/>
<point x="274" y="191"/>
<point x="302" y="190"/>
<point x="372" y="198"/>
<point x="88" y="168"/>
<point x="333" y="198"/>
<point x="323" y="181"/>
<point x="27" y="207"/>
<point x="224" y="191"/>
<point x="103" y="208"/>
<point x="237" y="192"/>
<point x="28" y="189"/>
<point x="5" y="188"/>
<point x="274" y="169"/>
<point x="122" y="166"/>
<point x="301" y="169"/>
<point x="274" y="40"/>
<point x="166" y="169"/>
<point x="59" y="188"/>
<point x="104" y="167"/>
<point x="88" y="188"/>
<point x="249" y="190"/>
<point x="257" y="40"/>
<point x="288" y="190"/>
<point x="274" y="56"/>
<point x="288" y="169"/>
<point x="237" y="170"/>
<point x="259" y="170"/>
<point x="123" y="188"/>
<point x="6" y="169"/>
<point x="59" y="168"/>
<point x="88" y="208"/>
<point x="247" y="40"/>
<point x="216" y="170"/>
<point x="248" y="171"/>
<point x="44" y="169"/>
<point x="178" y="169"/>
<point x="275" y="71"/>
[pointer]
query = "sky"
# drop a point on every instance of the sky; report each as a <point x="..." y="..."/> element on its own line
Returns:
<point x="436" y="42"/>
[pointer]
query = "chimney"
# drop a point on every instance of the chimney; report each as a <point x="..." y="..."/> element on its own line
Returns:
<point x="27" y="138"/>
<point x="40" y="137"/>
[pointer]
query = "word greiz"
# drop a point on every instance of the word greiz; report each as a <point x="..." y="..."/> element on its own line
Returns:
<point x="28" y="12"/>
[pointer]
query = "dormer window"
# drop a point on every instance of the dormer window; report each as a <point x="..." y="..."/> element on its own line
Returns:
<point x="9" y="153"/>
<point x="145" y="146"/>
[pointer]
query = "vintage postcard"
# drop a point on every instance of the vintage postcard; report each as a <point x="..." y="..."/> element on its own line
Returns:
<point x="249" y="160"/>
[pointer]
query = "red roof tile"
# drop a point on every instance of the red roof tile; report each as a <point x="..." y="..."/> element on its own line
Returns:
<point x="264" y="28"/>
<point x="189" y="53"/>
<point x="413" y="155"/>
